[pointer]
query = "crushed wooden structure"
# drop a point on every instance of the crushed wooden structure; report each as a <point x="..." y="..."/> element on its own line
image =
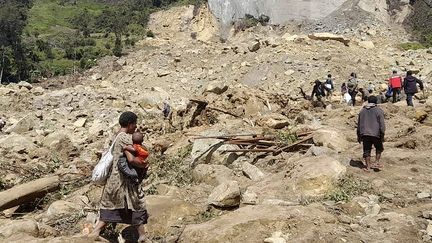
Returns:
<point x="261" y="143"/>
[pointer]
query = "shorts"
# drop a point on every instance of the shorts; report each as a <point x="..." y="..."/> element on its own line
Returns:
<point x="368" y="141"/>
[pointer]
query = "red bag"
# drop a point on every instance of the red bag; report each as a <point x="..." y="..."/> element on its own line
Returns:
<point x="396" y="82"/>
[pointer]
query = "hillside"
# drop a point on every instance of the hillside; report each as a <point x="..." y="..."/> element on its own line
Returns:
<point x="242" y="156"/>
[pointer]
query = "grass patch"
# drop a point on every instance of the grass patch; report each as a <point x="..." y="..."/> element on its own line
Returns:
<point x="173" y="169"/>
<point x="48" y="17"/>
<point x="347" y="188"/>
<point x="411" y="46"/>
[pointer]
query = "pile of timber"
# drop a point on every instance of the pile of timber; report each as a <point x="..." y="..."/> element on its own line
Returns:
<point x="261" y="143"/>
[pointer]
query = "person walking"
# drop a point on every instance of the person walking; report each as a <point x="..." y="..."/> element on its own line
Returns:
<point x="121" y="201"/>
<point x="395" y="83"/>
<point x="410" y="87"/>
<point x="371" y="131"/>
<point x="352" y="85"/>
<point x="318" y="90"/>
<point x="329" y="86"/>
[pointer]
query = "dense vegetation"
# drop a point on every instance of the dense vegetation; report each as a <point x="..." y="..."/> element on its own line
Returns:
<point x="43" y="38"/>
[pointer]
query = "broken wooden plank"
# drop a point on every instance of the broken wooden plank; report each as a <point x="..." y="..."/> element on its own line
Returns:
<point x="295" y="144"/>
<point x="223" y="136"/>
<point x="28" y="192"/>
<point x="249" y="150"/>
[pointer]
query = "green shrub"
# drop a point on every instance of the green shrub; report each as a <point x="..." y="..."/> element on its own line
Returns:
<point x="347" y="188"/>
<point x="411" y="46"/>
<point x="150" y="34"/>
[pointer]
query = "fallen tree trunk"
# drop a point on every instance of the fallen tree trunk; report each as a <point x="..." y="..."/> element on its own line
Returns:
<point x="28" y="192"/>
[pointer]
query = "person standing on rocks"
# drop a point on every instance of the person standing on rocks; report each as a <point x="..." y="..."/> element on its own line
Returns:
<point x="371" y="131"/>
<point x="121" y="201"/>
<point x="329" y="86"/>
<point x="395" y="82"/>
<point x="410" y="87"/>
<point x="352" y="85"/>
<point x="318" y="90"/>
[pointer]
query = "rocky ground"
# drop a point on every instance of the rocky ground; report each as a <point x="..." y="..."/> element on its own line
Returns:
<point x="250" y="84"/>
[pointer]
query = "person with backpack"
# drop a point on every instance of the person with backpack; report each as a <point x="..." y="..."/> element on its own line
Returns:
<point x="329" y="86"/>
<point x="410" y="87"/>
<point x="352" y="87"/>
<point x="318" y="90"/>
<point x="395" y="82"/>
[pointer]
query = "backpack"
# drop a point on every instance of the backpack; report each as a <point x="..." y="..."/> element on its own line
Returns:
<point x="396" y="82"/>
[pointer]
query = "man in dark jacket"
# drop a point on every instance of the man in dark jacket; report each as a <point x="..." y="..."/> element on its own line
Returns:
<point x="410" y="87"/>
<point x="318" y="90"/>
<point x="370" y="131"/>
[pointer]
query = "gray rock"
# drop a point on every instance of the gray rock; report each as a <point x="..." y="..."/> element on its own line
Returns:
<point x="423" y="195"/>
<point x="96" y="76"/>
<point x="429" y="229"/>
<point x="163" y="73"/>
<point x="249" y="197"/>
<point x="24" y="84"/>
<point x="212" y="174"/>
<point x="27" y="226"/>
<point x="254" y="46"/>
<point x="225" y="195"/>
<point x="427" y="214"/>
<point x="216" y="87"/>
<point x="25" y="124"/>
<point x="252" y="172"/>
<point x="80" y="122"/>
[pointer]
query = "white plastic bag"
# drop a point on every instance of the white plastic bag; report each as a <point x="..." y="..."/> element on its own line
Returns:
<point x="102" y="169"/>
<point x="328" y="86"/>
<point x="347" y="98"/>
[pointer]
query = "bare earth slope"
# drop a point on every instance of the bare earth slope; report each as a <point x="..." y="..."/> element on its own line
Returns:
<point x="250" y="85"/>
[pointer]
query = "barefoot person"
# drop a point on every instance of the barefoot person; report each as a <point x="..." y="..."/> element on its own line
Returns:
<point x="370" y="131"/>
<point x="120" y="202"/>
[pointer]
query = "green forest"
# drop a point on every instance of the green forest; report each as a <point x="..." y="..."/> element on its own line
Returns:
<point x="44" y="38"/>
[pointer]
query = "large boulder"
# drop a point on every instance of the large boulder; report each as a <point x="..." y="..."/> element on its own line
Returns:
<point x="274" y="120"/>
<point x="209" y="150"/>
<point x="216" y="88"/>
<point x="310" y="177"/>
<point x="316" y="176"/>
<point x="17" y="144"/>
<point x="25" y="124"/>
<point x="329" y="36"/>
<point x="252" y="172"/>
<point x="153" y="98"/>
<point x="60" y="208"/>
<point x="225" y="195"/>
<point x="26" y="226"/>
<point x="255" y="224"/>
<point x="212" y="174"/>
<point x="165" y="212"/>
<point x="331" y="139"/>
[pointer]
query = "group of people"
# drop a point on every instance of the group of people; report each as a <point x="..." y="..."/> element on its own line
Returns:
<point x="350" y="89"/>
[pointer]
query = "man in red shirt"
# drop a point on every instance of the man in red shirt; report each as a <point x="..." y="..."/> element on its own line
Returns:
<point x="395" y="82"/>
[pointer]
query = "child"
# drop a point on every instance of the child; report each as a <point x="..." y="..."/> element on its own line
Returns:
<point x="136" y="174"/>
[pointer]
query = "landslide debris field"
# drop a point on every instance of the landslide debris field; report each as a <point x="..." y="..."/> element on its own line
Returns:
<point x="242" y="155"/>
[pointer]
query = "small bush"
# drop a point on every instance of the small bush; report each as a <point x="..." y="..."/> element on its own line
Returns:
<point x="347" y="188"/>
<point x="411" y="46"/>
<point x="150" y="34"/>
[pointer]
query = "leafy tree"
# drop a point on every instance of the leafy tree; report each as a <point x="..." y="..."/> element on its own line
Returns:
<point x="83" y="22"/>
<point x="13" y="18"/>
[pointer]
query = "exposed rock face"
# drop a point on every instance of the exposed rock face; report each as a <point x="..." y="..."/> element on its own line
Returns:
<point x="166" y="212"/>
<point x="252" y="224"/>
<point x="279" y="11"/>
